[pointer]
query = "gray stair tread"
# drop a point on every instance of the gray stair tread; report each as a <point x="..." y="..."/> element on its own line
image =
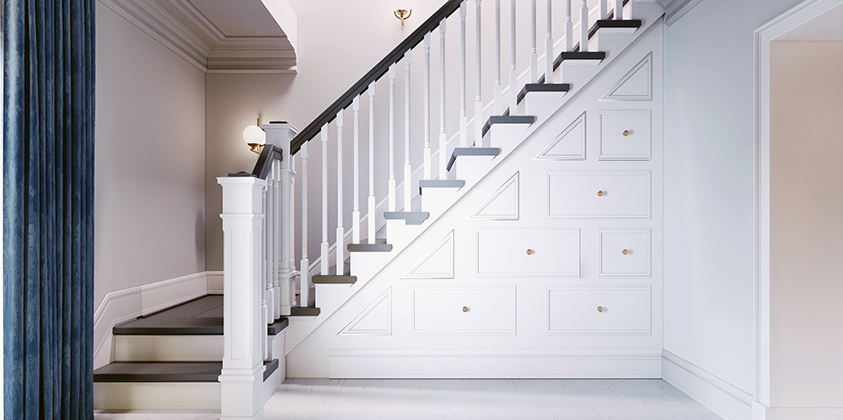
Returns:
<point x="369" y="247"/>
<point x="411" y="217"/>
<point x="472" y="151"/>
<point x="441" y="183"/>
<point x="159" y="372"/>
<point x="543" y="87"/>
<point x="334" y="279"/>
<point x="277" y="326"/>
<point x="304" y="311"/>
<point x="507" y="119"/>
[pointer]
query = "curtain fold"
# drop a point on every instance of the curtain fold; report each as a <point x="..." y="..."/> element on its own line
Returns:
<point x="48" y="193"/>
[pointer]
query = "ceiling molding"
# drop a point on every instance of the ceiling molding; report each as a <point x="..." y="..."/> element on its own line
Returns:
<point x="675" y="9"/>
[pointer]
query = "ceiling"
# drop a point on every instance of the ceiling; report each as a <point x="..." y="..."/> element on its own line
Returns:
<point x="239" y="18"/>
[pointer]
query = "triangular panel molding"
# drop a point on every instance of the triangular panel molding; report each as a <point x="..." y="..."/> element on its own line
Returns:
<point x="376" y="319"/>
<point x="636" y="85"/>
<point x="503" y="205"/>
<point x="438" y="263"/>
<point x="569" y="145"/>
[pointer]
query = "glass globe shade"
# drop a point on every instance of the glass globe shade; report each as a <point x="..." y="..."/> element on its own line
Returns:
<point x="254" y="135"/>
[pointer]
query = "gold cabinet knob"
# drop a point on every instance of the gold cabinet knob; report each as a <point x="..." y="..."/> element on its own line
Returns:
<point x="625" y="252"/>
<point x="465" y="308"/>
<point x="529" y="251"/>
<point x="600" y="309"/>
<point x="625" y="133"/>
<point x="600" y="193"/>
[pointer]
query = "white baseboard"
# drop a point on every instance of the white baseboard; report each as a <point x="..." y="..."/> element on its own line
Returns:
<point x="761" y="412"/>
<point x="719" y="396"/>
<point x="123" y="305"/>
<point x="487" y="363"/>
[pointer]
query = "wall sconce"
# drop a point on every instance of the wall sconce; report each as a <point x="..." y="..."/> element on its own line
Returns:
<point x="255" y="137"/>
<point x="402" y="9"/>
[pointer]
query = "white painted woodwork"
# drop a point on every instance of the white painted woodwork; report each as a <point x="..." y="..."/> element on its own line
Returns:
<point x="528" y="252"/>
<point x="613" y="194"/>
<point x="569" y="144"/>
<point x="599" y="309"/>
<point x="371" y="204"/>
<point x="324" y="263"/>
<point x="391" y="185"/>
<point x="168" y="348"/>
<point x="534" y="55"/>
<point x="426" y="151"/>
<point x="271" y="259"/>
<point x="478" y="103"/>
<point x="548" y="61"/>
<point x="513" y="73"/>
<point x="280" y="227"/>
<point x="603" y="9"/>
<point x="625" y="134"/>
<point x="408" y="170"/>
<point x="507" y="136"/>
<point x="498" y="110"/>
<point x="355" y="215"/>
<point x="241" y="380"/>
<point x="304" y="265"/>
<point x="503" y="204"/>
<point x="463" y="53"/>
<point x="438" y="263"/>
<point x="619" y="9"/>
<point x="340" y="236"/>
<point x="625" y="252"/>
<point x="159" y="396"/>
<point x="376" y="319"/>
<point x="443" y="138"/>
<point x="464" y="310"/>
<point x="636" y="85"/>
<point x="264" y="263"/>
<point x="569" y="28"/>
<point x="584" y="27"/>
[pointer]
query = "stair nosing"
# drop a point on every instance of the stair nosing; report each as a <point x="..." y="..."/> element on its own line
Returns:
<point x="333" y="279"/>
<point x="509" y="119"/>
<point x="369" y="247"/>
<point x="440" y="183"/>
<point x="542" y="87"/>
<point x="472" y="151"/>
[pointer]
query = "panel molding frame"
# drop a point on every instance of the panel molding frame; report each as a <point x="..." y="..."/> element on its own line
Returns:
<point x="589" y="172"/>
<point x="386" y="296"/>
<point x="646" y="61"/>
<point x="501" y="332"/>
<point x="576" y="275"/>
<point x="449" y="238"/>
<point x="604" y="157"/>
<point x="514" y="179"/>
<point x="580" y="120"/>
<point x="647" y="230"/>
<point x="602" y="287"/>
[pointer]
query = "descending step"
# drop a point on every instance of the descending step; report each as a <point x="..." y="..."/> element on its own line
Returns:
<point x="474" y="162"/>
<point x="410" y="217"/>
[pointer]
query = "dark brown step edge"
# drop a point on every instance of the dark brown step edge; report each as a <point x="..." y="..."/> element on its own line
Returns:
<point x="509" y="119"/>
<point x="334" y="279"/>
<point x="369" y="247"/>
<point x="472" y="151"/>
<point x="169" y="371"/>
<point x="214" y="327"/>
<point x="304" y="311"/>
<point x="542" y="87"/>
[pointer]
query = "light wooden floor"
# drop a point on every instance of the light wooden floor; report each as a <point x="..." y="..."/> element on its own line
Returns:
<point x="581" y="399"/>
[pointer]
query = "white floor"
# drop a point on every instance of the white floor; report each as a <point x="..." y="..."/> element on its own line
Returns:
<point x="581" y="399"/>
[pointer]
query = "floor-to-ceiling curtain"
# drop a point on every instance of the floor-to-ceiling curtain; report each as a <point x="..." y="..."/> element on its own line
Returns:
<point x="48" y="193"/>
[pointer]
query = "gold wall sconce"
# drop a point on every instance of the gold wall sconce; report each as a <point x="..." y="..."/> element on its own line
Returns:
<point x="255" y="137"/>
<point x="402" y="9"/>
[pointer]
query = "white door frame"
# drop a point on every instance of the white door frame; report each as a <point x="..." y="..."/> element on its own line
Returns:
<point x="764" y="35"/>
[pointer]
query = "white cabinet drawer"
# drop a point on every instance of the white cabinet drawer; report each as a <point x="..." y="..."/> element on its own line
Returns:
<point x="625" y="135"/>
<point x="620" y="310"/>
<point x="464" y="310"/>
<point x="624" y="252"/>
<point x="599" y="194"/>
<point x="528" y="252"/>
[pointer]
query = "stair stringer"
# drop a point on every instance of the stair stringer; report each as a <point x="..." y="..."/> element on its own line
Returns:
<point x="321" y="352"/>
<point x="649" y="13"/>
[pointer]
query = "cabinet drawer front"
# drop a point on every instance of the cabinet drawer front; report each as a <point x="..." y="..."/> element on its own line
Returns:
<point x="599" y="194"/>
<point x="464" y="310"/>
<point x="529" y="252"/>
<point x="625" y="252"/>
<point x="625" y="135"/>
<point x="626" y="310"/>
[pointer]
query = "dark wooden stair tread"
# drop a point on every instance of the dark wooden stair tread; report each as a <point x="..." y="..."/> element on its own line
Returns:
<point x="347" y="279"/>
<point x="384" y="247"/>
<point x="542" y="87"/>
<point x="168" y="371"/>
<point x="507" y="119"/>
<point x="304" y="311"/>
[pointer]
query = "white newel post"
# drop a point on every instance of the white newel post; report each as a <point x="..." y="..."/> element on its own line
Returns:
<point x="280" y="236"/>
<point x="241" y="380"/>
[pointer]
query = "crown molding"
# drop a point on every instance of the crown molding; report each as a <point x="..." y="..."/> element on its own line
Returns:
<point x="675" y="9"/>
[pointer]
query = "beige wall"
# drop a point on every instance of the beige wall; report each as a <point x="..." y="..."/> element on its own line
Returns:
<point x="150" y="167"/>
<point x="806" y="227"/>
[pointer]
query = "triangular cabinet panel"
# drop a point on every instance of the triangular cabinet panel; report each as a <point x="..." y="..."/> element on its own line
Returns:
<point x="636" y="85"/>
<point x="438" y="263"/>
<point x="376" y="319"/>
<point x="568" y="145"/>
<point x="503" y="205"/>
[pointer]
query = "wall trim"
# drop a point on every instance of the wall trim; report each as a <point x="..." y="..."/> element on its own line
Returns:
<point x="123" y="305"/>
<point x="717" y="395"/>
<point x="675" y="9"/>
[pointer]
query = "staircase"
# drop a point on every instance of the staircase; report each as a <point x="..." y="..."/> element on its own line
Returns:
<point x="369" y="304"/>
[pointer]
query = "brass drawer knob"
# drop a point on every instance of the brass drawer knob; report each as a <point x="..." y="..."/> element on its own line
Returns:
<point x="600" y="309"/>
<point x="600" y="193"/>
<point x="529" y="251"/>
<point x="625" y="133"/>
<point x="465" y="308"/>
<point x="625" y="252"/>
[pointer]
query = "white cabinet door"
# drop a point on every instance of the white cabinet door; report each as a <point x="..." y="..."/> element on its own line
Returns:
<point x="528" y="252"/>
<point x="625" y="135"/>
<point x="624" y="252"/>
<point x="599" y="194"/>
<point x="612" y="310"/>
<point x="464" y="309"/>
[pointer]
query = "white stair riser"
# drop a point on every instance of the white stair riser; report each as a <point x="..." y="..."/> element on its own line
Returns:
<point x="541" y="104"/>
<point x="330" y="296"/>
<point x="507" y="136"/>
<point x="157" y="396"/>
<point x="436" y="200"/>
<point x="167" y="348"/>
<point x="471" y="168"/>
<point x="611" y="39"/>
<point x="399" y="234"/>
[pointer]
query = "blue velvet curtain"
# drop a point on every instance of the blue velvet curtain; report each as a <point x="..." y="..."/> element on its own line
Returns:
<point x="48" y="196"/>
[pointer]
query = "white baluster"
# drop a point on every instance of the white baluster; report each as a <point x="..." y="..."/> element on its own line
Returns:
<point x="478" y="103"/>
<point x="274" y="214"/>
<point x="618" y="9"/>
<point x="287" y="286"/>
<point x="355" y="216"/>
<point x="391" y="186"/>
<point x="534" y="55"/>
<point x="584" y="27"/>
<point x="569" y="28"/>
<point x="324" y="257"/>
<point x="442" y="137"/>
<point x="277" y="232"/>
<point x="548" y="57"/>
<point x="304" y="265"/>
<point x="498" y="88"/>
<point x="340" y="246"/>
<point x="408" y="173"/>
<point x="264" y="274"/>
<point x="463" y="118"/>
<point x="513" y="75"/>
<point x="427" y="106"/>
<point x="629" y="14"/>
<point x="372" y="210"/>
<point x="603" y="9"/>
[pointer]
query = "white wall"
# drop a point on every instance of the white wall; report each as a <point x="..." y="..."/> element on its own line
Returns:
<point x="150" y="166"/>
<point x="806" y="99"/>
<point x="709" y="186"/>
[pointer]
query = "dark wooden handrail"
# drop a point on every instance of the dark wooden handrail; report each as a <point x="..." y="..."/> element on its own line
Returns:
<point x="268" y="155"/>
<point x="374" y="74"/>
